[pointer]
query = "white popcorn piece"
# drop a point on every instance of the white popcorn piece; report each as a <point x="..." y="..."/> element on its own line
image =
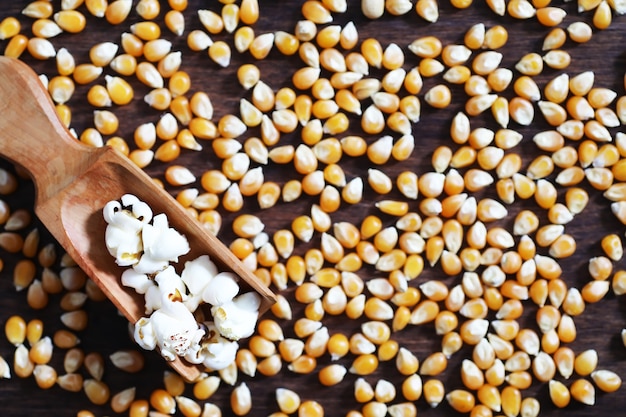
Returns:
<point x="198" y="273"/>
<point x="124" y="245"/>
<point x="192" y="302"/>
<point x="148" y="265"/>
<point x="221" y="289"/>
<point x="116" y="216"/>
<point x="139" y="282"/>
<point x="220" y="355"/>
<point x="236" y="319"/>
<point x="173" y="328"/>
<point x="122" y="234"/>
<point x="215" y="351"/>
<point x="163" y="242"/>
<point x="140" y="210"/>
<point x="125" y="223"/>
<point x="144" y="334"/>
<point x="152" y="299"/>
<point x="161" y="245"/>
<point x="170" y="283"/>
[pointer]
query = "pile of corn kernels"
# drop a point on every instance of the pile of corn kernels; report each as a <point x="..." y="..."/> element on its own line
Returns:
<point x="418" y="271"/>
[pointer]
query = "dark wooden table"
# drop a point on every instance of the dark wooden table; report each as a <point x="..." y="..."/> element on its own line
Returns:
<point x="598" y="328"/>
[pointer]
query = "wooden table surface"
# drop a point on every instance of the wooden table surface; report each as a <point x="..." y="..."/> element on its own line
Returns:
<point x="598" y="327"/>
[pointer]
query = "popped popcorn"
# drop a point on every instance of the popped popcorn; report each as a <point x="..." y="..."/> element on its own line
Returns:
<point x="148" y="245"/>
<point x="172" y="328"/>
<point x="221" y="289"/>
<point x="215" y="352"/>
<point x="236" y="318"/>
<point x="161" y="245"/>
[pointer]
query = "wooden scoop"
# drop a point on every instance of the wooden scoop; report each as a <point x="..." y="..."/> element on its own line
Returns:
<point x="74" y="181"/>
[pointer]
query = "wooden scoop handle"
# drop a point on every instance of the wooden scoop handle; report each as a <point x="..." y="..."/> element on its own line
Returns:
<point x="32" y="135"/>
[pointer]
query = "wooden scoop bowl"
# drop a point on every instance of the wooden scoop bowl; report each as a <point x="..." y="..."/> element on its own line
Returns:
<point x="74" y="181"/>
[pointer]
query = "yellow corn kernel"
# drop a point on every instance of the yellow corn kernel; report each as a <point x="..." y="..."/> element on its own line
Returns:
<point x="393" y="57"/>
<point x="554" y="39"/>
<point x="15" y="330"/>
<point x="198" y="40"/>
<point x="557" y="89"/>
<point x="71" y="21"/>
<point x="159" y="98"/>
<point x="311" y="408"/>
<point x="166" y="152"/>
<point x="156" y="49"/>
<point x="97" y="8"/>
<point x="38" y="10"/>
<point x="606" y="380"/>
<point x="602" y="16"/>
<point x="476" y="85"/>
<point x="211" y="21"/>
<point x="427" y="10"/>
<point x="332" y="374"/>
<point x="180" y="5"/>
<point x="434" y="392"/>
<point x="583" y="391"/>
<point x="131" y="44"/>
<point x="530" y="64"/>
<point x="458" y="74"/>
<point x="600" y="267"/>
<point x="124" y="64"/>
<point x="479" y="103"/>
<point x="288" y="401"/>
<point x="241" y="400"/>
<point x="148" y="9"/>
<point x="9" y="27"/>
<point x="119" y="90"/>
<point x="328" y="37"/>
<point x="434" y="364"/>
<point x="105" y="121"/>
<point x="426" y="47"/>
<point x="117" y="11"/>
<point x="526" y="87"/>
<point x="16" y="46"/>
<point x="429" y="67"/>
<point x="92" y="137"/>
<point x="557" y="59"/>
<point x="40" y="48"/>
<point x="146" y="30"/>
<point x="438" y="96"/>
<point x="579" y="32"/>
<point x="180" y="108"/>
<point x="580" y="85"/>
<point x="486" y="62"/>
<point x="461" y="400"/>
<point x="45" y="28"/>
<point x="220" y="53"/>
<point x="377" y="309"/>
<point x="230" y="17"/>
<point x="559" y="393"/>
<point x="594" y="291"/>
<point x="495" y="37"/>
<point x="97" y="391"/>
<point x="392" y="81"/>
<point x="261" y="45"/>
<point x="550" y="16"/>
<point x="372" y="51"/>
<point x="474" y="38"/>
